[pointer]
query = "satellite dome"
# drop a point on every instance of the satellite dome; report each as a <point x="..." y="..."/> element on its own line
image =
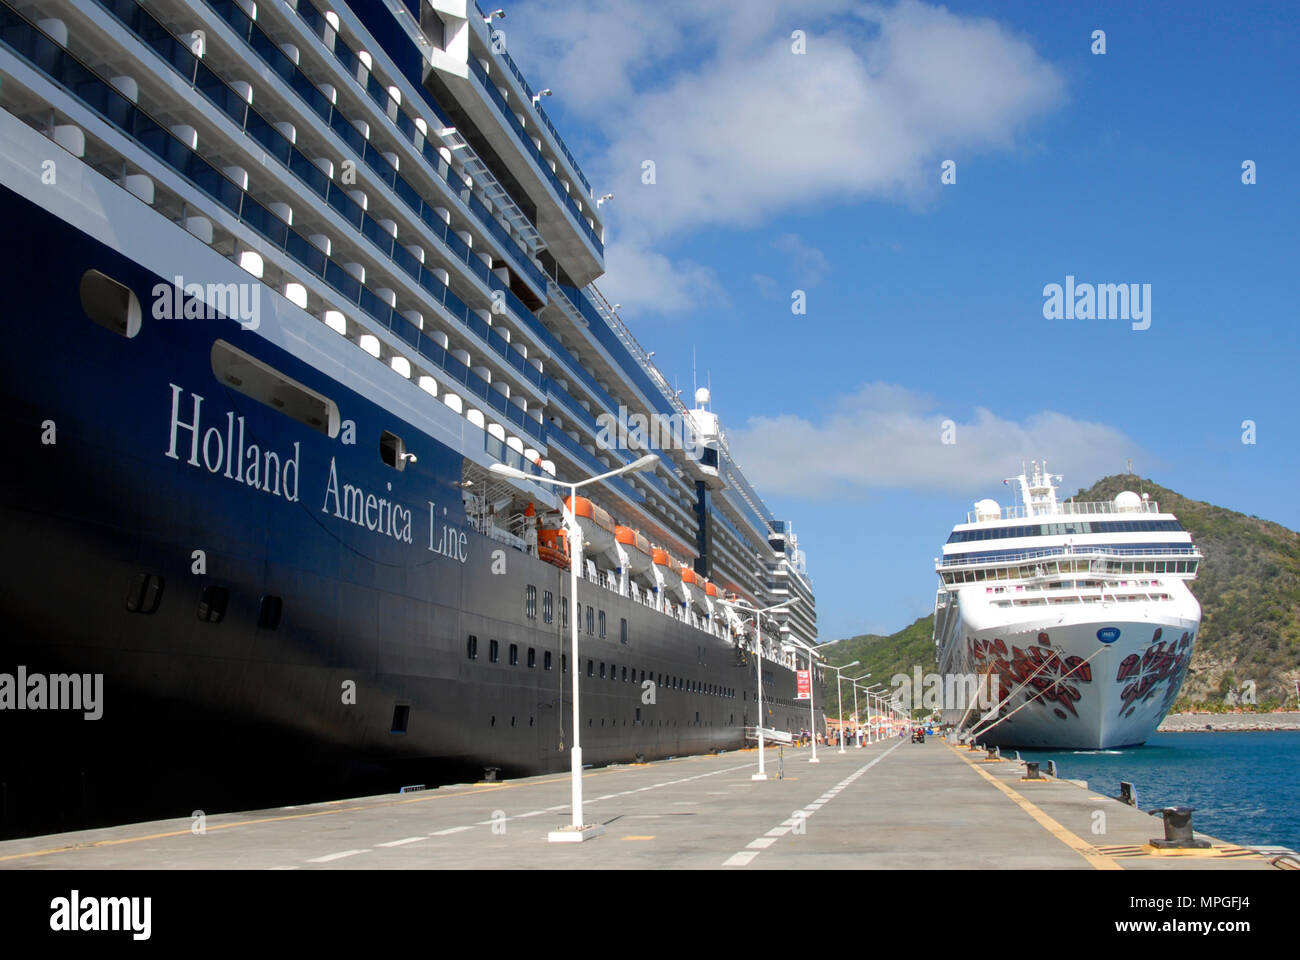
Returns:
<point x="702" y="396"/>
<point x="987" y="510"/>
<point x="1128" y="502"/>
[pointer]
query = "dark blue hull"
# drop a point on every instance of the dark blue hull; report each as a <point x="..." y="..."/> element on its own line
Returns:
<point x="214" y="715"/>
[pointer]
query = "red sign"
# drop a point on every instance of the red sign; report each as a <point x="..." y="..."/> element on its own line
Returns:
<point x="803" y="682"/>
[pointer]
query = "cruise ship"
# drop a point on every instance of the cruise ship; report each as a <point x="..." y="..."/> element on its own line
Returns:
<point x="1070" y="624"/>
<point x="284" y="281"/>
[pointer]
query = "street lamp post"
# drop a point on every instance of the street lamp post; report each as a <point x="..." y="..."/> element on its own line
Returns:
<point x="856" y="720"/>
<point x="812" y="712"/>
<point x="758" y="631"/>
<point x="870" y="698"/>
<point x="578" y="830"/>
<point x="839" y="697"/>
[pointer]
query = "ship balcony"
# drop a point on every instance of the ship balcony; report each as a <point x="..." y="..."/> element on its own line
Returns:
<point x="491" y="109"/>
<point x="1180" y="551"/>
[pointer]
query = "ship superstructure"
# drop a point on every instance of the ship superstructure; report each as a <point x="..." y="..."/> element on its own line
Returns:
<point x="294" y="276"/>
<point x="1080" y="612"/>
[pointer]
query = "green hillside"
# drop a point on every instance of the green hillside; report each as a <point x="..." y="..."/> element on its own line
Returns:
<point x="882" y="657"/>
<point x="1248" y="587"/>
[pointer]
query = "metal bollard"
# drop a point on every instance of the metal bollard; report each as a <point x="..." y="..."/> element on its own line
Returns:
<point x="991" y="754"/>
<point x="1031" y="770"/>
<point x="1127" y="793"/>
<point x="640" y="758"/>
<point x="974" y="746"/>
<point x="1178" y="829"/>
<point x="1051" y="768"/>
<point x="490" y="774"/>
<point x="1018" y="760"/>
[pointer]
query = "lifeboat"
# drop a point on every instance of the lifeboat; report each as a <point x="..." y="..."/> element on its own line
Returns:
<point x="705" y="594"/>
<point x="668" y="569"/>
<point x="696" y="583"/>
<point x="553" y="547"/>
<point x="595" y="523"/>
<point x="636" y="547"/>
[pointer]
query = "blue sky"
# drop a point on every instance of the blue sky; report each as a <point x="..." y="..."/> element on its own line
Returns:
<point x="777" y="171"/>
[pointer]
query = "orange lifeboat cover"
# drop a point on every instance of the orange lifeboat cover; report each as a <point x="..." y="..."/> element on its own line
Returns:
<point x="585" y="508"/>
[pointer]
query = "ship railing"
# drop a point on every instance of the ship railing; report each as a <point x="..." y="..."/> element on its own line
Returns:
<point x="147" y="133"/>
<point x="537" y="107"/>
<point x="279" y="62"/>
<point x="525" y="141"/>
<point x="1068" y="508"/>
<point x="1100" y="551"/>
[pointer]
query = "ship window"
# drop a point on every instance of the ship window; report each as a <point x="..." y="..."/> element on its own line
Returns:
<point x="532" y="658"/>
<point x="564" y="663"/>
<point x="546" y="660"/>
<point x="530" y="602"/>
<point x="564" y="611"/>
<point x="591" y="617"/>
<point x="471" y="648"/>
<point x="401" y="714"/>
<point x="145" y="594"/>
<point x="591" y="668"/>
<point x="269" y="612"/>
<point x="602" y="669"/>
<point x="255" y="379"/>
<point x="110" y="304"/>
<point x="392" y="450"/>
<point x="494" y="651"/>
<point x="514" y="654"/>
<point x="602" y="624"/>
<point x="622" y="629"/>
<point x="212" y="604"/>
<point x="548" y="607"/>
<point x="625" y="675"/>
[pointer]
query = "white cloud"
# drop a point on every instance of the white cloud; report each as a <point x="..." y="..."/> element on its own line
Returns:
<point x="807" y="264"/>
<point x="886" y="436"/>
<point x="742" y="129"/>
<point x="639" y="276"/>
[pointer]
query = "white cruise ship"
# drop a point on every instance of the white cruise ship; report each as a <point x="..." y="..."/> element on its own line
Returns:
<point x="1079" y="611"/>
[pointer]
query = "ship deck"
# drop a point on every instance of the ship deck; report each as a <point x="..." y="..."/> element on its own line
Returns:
<point x="884" y="806"/>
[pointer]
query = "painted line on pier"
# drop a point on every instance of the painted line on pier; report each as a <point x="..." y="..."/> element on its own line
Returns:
<point x="451" y="792"/>
<point x="752" y="849"/>
<point x="1080" y="846"/>
<point x="532" y="813"/>
<point x="337" y="856"/>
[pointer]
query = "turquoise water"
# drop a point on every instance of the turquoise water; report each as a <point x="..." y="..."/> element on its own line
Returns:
<point x="1245" y="786"/>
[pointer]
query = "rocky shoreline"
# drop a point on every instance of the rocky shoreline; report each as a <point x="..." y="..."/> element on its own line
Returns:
<point x="1200" y="722"/>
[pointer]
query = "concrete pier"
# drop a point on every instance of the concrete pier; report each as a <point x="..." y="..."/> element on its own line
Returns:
<point x="887" y="805"/>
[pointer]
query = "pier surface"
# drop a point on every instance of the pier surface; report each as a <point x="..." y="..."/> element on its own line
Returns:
<point x="887" y="805"/>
